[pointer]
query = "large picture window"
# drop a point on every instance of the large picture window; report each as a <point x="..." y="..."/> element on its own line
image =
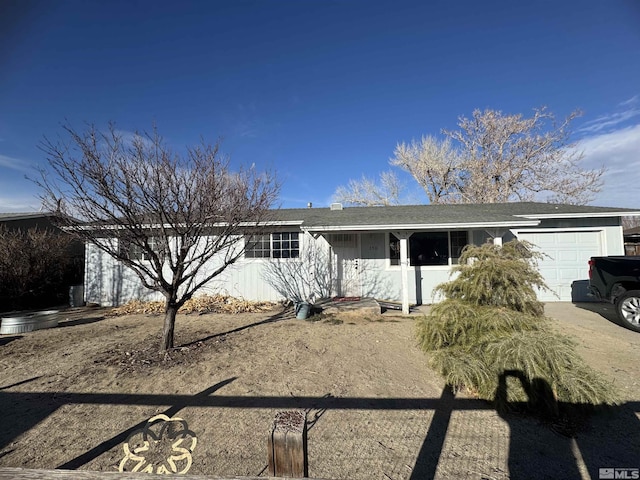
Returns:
<point x="274" y="245"/>
<point x="429" y="248"/>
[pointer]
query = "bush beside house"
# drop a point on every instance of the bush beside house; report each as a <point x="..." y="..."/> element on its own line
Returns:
<point x="491" y="337"/>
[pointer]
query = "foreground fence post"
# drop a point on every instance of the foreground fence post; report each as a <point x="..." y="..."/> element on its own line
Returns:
<point x="288" y="445"/>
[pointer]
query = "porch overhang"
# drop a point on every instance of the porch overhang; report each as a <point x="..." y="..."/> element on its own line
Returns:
<point x="404" y="231"/>
<point x="420" y="226"/>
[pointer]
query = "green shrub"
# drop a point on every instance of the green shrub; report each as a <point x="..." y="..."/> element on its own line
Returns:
<point x="501" y="276"/>
<point x="491" y="337"/>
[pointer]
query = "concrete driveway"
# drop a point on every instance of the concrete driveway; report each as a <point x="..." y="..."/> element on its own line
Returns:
<point x="606" y="345"/>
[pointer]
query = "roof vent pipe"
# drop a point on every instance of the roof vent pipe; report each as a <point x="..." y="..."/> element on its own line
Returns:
<point x="309" y="205"/>
<point x="335" y="206"/>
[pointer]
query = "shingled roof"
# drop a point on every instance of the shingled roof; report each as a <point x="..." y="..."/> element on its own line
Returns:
<point x="439" y="216"/>
<point x="4" y="217"/>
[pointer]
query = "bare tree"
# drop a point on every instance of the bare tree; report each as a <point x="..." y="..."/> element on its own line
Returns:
<point x="33" y="264"/>
<point x="496" y="157"/>
<point x="366" y="192"/>
<point x="176" y="220"/>
<point x="511" y="158"/>
<point x="434" y="164"/>
<point x="630" y="222"/>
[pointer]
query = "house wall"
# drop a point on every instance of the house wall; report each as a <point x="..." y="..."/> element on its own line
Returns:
<point x="109" y="283"/>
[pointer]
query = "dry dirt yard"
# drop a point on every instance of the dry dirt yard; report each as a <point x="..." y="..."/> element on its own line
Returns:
<point x="71" y="397"/>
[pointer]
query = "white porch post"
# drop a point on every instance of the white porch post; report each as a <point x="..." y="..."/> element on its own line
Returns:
<point x="404" y="268"/>
<point x="496" y="234"/>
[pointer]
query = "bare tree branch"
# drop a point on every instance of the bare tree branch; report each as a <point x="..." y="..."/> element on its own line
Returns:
<point x="433" y="164"/>
<point x="177" y="212"/>
<point x="508" y="158"/>
<point x="366" y="192"/>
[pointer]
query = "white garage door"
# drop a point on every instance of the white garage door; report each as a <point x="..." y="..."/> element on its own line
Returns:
<point x="568" y="254"/>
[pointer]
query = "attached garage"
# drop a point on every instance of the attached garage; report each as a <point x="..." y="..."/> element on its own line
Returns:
<point x="564" y="267"/>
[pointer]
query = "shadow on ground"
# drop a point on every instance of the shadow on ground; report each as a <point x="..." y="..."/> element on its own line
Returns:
<point x="5" y="340"/>
<point x="604" y="309"/>
<point x="537" y="447"/>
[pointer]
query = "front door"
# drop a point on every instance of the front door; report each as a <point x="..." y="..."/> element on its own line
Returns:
<point x="347" y="253"/>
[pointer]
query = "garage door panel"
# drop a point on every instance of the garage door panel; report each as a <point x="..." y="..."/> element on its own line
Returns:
<point x="567" y="254"/>
<point x="571" y="274"/>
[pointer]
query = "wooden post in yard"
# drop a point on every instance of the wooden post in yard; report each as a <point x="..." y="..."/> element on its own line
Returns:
<point x="288" y="445"/>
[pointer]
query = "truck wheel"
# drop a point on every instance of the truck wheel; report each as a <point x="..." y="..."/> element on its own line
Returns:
<point x="628" y="308"/>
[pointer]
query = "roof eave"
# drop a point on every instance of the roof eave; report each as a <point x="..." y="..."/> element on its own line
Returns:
<point x="419" y="226"/>
<point x="581" y="215"/>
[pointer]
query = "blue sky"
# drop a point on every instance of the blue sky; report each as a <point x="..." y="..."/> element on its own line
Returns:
<point x="320" y="91"/>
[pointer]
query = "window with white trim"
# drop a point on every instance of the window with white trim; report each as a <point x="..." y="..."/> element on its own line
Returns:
<point x="136" y="252"/>
<point x="273" y="245"/>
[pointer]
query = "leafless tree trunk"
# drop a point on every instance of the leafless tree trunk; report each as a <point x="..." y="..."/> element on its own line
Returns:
<point x="176" y="219"/>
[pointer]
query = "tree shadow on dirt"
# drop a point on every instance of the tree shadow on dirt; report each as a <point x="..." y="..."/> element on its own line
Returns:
<point x="562" y="439"/>
<point x="79" y="321"/>
<point x="285" y="314"/>
<point x="114" y="441"/>
<point x="6" y="387"/>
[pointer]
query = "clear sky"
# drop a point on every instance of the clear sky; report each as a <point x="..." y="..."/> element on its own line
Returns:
<point x="320" y="91"/>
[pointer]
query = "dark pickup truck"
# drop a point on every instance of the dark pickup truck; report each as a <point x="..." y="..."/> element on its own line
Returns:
<point x="617" y="280"/>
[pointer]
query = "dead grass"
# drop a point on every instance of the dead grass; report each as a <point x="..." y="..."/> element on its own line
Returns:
<point x="200" y="305"/>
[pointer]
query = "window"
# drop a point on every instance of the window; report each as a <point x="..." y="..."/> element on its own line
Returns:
<point x="342" y="240"/>
<point x="429" y="248"/>
<point x="285" y="245"/>
<point x="136" y="252"/>
<point x="274" y="245"/>
<point x="394" y="249"/>
<point x="258" y="246"/>
<point x="459" y="240"/>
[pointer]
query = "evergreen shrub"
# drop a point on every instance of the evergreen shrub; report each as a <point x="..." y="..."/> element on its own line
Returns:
<point x="490" y="335"/>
